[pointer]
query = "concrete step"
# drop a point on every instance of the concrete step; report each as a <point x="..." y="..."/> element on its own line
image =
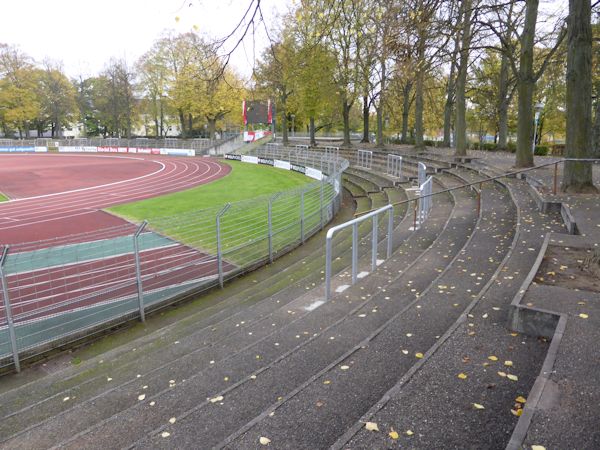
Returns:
<point x="206" y="382"/>
<point x="449" y="418"/>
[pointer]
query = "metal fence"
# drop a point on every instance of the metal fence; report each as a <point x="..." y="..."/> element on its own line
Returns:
<point x="394" y="165"/>
<point x="354" y="223"/>
<point x="54" y="292"/>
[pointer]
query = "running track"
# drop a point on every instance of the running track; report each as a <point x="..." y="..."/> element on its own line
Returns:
<point x="72" y="190"/>
<point x="77" y="210"/>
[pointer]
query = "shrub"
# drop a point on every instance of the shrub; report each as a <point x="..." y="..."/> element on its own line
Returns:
<point x="541" y="150"/>
<point x="490" y="147"/>
<point x="429" y="143"/>
<point x="511" y="147"/>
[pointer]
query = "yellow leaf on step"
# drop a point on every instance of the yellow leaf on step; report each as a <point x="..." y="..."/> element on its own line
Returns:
<point x="583" y="316"/>
<point x="478" y="406"/>
<point x="508" y="363"/>
<point x="512" y="377"/>
<point x="520" y="399"/>
<point x="371" y="426"/>
<point x="462" y="376"/>
<point x="516" y="412"/>
<point x="394" y="435"/>
<point x="264" y="440"/>
<point x="409" y="432"/>
<point x="493" y="358"/>
<point x="538" y="447"/>
<point x="419" y="355"/>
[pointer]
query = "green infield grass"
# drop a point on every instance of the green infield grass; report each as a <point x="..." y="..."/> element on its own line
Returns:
<point x="3" y="198"/>
<point x="190" y="216"/>
<point x="245" y="181"/>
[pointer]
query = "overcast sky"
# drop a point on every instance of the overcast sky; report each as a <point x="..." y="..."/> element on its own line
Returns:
<point x="85" y="34"/>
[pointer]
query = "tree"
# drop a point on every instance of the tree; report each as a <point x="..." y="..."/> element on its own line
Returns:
<point x="57" y="98"/>
<point x="578" y="175"/>
<point x="461" y="79"/>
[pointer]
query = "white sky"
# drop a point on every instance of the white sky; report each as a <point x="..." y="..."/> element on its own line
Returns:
<point x="84" y="34"/>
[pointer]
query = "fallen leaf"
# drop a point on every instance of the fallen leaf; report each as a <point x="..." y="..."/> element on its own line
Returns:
<point x="216" y="399"/>
<point x="502" y="374"/>
<point x="394" y="435"/>
<point x="409" y="432"/>
<point x="371" y="426"/>
<point x="165" y="434"/>
<point x="520" y="399"/>
<point x="66" y="399"/>
<point x="345" y="367"/>
<point x="478" y="406"/>
<point x="508" y="363"/>
<point x="516" y="412"/>
<point x="538" y="447"/>
<point x="152" y="403"/>
<point x="264" y="440"/>
<point x="141" y="397"/>
<point x="493" y="358"/>
<point x="462" y="376"/>
<point x="583" y="316"/>
<point x="172" y="420"/>
<point x="327" y="382"/>
<point x="512" y="377"/>
<point x="418" y="355"/>
<point x="405" y="352"/>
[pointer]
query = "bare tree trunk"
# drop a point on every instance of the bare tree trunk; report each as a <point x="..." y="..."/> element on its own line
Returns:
<point x="381" y="106"/>
<point x="596" y="130"/>
<point x="577" y="176"/>
<point x="284" y="125"/>
<point x="450" y="90"/>
<point x="503" y="101"/>
<point x="526" y="85"/>
<point x="419" y="109"/>
<point x="405" y="111"/>
<point x="365" y="139"/>
<point x="461" y="82"/>
<point x="212" y="127"/>
<point x="311" y="129"/>
<point x="346" y="115"/>
<point x="420" y="76"/>
<point x="182" y="123"/>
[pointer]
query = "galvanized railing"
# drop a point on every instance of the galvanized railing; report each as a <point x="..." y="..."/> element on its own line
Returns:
<point x="354" y="223"/>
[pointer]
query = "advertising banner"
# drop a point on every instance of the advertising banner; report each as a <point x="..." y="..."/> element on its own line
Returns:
<point x="314" y="173"/>
<point x="250" y="159"/>
<point x="282" y="164"/>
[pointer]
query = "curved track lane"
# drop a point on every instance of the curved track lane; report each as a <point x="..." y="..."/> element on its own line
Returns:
<point x="78" y="211"/>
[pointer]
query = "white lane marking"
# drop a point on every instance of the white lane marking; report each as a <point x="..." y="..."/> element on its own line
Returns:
<point x="342" y="288"/>
<point x="362" y="274"/>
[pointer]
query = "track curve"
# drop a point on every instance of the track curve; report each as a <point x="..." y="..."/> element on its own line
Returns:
<point x="78" y="210"/>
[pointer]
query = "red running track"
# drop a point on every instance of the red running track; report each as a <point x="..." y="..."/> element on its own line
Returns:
<point x="78" y="186"/>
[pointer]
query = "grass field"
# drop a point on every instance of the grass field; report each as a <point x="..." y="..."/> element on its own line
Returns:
<point x="245" y="181"/>
<point x="3" y="198"/>
<point x="190" y="216"/>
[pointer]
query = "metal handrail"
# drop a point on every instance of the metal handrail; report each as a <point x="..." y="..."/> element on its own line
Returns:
<point x="496" y="177"/>
<point x="354" y="224"/>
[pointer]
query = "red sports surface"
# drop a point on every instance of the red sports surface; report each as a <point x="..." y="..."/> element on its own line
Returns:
<point x="60" y="195"/>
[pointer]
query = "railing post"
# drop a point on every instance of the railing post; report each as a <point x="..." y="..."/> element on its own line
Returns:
<point x="302" y="217"/>
<point x="390" y="233"/>
<point x="479" y="199"/>
<point x="328" y="268"/>
<point x="270" y="225"/>
<point x="8" y="309"/>
<point x="219" y="248"/>
<point x="354" y="252"/>
<point x="321" y="201"/>
<point x="555" y="187"/>
<point x="374" y="244"/>
<point x="415" y="218"/>
<point x="138" y="270"/>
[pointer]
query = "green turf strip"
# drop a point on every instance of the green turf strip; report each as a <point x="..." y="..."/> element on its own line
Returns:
<point x="245" y="181"/>
<point x="3" y="198"/>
